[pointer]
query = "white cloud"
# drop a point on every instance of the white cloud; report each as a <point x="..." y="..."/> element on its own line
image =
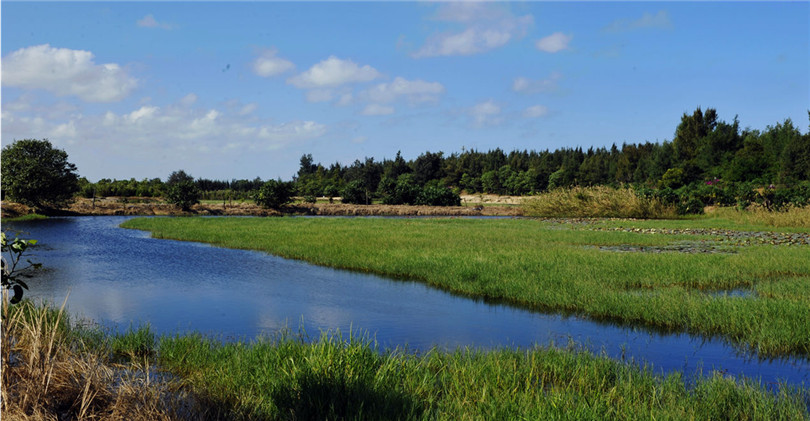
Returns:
<point x="149" y="21"/>
<point x="535" y="111"/>
<point x="486" y="27"/>
<point x="333" y="72"/>
<point x="659" y="20"/>
<point x="188" y="100"/>
<point x="534" y="86"/>
<point x="345" y="99"/>
<point x="414" y="91"/>
<point x="248" y="108"/>
<point x="320" y="95"/>
<point x="268" y="64"/>
<point x="554" y="43"/>
<point x="174" y="130"/>
<point x="377" y="109"/>
<point x="486" y="113"/>
<point x="63" y="72"/>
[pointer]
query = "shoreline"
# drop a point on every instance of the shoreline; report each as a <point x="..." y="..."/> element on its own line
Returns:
<point x="151" y="207"/>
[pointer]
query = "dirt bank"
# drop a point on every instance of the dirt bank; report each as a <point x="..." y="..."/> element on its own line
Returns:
<point x="147" y="206"/>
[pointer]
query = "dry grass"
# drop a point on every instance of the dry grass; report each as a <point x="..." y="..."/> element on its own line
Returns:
<point x="48" y="373"/>
<point x="791" y="216"/>
<point x="596" y="202"/>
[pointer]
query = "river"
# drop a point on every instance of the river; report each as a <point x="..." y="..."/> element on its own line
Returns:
<point x="120" y="278"/>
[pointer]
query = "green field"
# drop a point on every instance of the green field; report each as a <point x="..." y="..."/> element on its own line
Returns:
<point x="555" y="267"/>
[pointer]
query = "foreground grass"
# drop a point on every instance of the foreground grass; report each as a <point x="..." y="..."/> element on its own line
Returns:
<point x="549" y="267"/>
<point x="288" y="378"/>
<point x="52" y="370"/>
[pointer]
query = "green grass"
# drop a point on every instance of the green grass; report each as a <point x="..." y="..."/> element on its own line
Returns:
<point x="291" y="377"/>
<point x="335" y="378"/>
<point x="29" y="217"/>
<point x="549" y="267"/>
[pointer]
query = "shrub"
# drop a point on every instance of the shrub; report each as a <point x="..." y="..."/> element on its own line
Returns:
<point x="274" y="194"/>
<point x="404" y="191"/>
<point x="354" y="193"/>
<point x="438" y="196"/>
<point x="690" y="206"/>
<point x="183" y="194"/>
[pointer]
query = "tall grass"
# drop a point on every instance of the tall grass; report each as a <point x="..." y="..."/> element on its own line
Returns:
<point x="53" y="371"/>
<point x="539" y="266"/>
<point x="596" y="202"/>
<point x="790" y="216"/>
<point x="335" y="378"/>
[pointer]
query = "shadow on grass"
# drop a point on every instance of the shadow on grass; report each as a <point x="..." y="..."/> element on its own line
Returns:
<point x="316" y="397"/>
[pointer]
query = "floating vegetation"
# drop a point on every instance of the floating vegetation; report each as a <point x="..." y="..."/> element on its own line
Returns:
<point x="740" y="238"/>
<point x="683" y="247"/>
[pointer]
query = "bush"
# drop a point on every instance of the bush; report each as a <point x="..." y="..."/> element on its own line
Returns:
<point x="354" y="193"/>
<point x="438" y="196"/>
<point x="183" y="194"/>
<point x="404" y="191"/>
<point x="274" y="194"/>
<point x="690" y="206"/>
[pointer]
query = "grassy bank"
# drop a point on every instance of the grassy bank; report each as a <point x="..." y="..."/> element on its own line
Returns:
<point x="53" y="370"/>
<point x="551" y="267"/>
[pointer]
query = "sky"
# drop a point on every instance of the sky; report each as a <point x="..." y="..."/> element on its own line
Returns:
<point x="242" y="90"/>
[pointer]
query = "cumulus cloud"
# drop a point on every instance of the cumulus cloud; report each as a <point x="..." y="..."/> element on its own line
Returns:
<point x="554" y="43"/>
<point x="486" y="113"/>
<point x="174" y="129"/>
<point x="659" y="20"/>
<point x="534" y="86"/>
<point x="63" y="72"/>
<point x="268" y="64"/>
<point x="414" y="91"/>
<point x="333" y="72"/>
<point x="149" y="21"/>
<point x="377" y="109"/>
<point x="535" y="111"/>
<point x="486" y="27"/>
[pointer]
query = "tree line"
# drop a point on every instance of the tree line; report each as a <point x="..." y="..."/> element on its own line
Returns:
<point x="709" y="161"/>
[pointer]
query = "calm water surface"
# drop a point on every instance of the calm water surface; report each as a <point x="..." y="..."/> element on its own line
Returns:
<point x="121" y="277"/>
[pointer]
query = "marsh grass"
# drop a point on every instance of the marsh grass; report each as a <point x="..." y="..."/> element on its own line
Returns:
<point x="288" y="377"/>
<point x="596" y="202"/>
<point x="49" y="371"/>
<point x="790" y="216"/>
<point x="539" y="266"/>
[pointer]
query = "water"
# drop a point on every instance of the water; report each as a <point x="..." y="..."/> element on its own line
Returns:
<point x="121" y="277"/>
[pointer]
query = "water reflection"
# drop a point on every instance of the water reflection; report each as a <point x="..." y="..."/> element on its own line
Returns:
<point x="119" y="277"/>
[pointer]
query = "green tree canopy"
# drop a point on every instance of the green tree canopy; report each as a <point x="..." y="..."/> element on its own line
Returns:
<point x="36" y="174"/>
<point x="181" y="190"/>
<point x="274" y="194"/>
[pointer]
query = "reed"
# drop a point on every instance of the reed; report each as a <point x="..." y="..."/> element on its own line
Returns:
<point x="50" y="372"/>
<point x="596" y="202"/>
<point x="789" y="216"/>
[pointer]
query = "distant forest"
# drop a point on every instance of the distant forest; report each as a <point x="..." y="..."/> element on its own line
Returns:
<point x="705" y="153"/>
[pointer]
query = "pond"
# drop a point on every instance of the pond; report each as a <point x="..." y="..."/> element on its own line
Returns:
<point x="120" y="277"/>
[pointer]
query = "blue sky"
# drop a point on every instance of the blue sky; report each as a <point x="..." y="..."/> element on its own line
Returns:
<point x="242" y="90"/>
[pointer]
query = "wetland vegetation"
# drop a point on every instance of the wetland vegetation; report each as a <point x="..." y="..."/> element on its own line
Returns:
<point x="89" y="373"/>
<point x="553" y="267"/>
